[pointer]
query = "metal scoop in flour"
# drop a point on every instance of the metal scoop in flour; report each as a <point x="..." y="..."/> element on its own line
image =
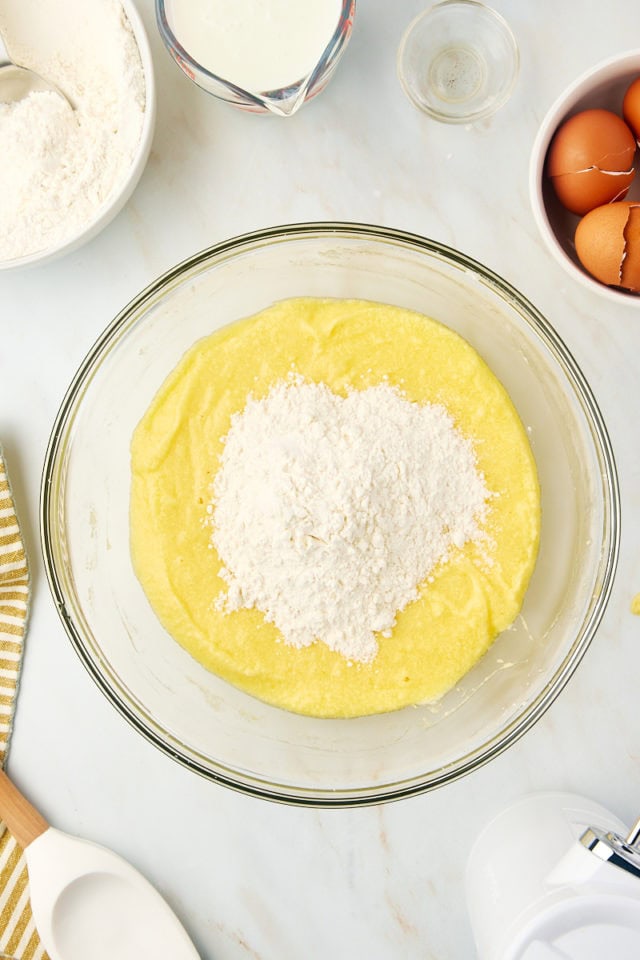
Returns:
<point x="87" y="902"/>
<point x="17" y="82"/>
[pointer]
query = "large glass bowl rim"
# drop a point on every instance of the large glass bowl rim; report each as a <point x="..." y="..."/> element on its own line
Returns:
<point x="508" y="735"/>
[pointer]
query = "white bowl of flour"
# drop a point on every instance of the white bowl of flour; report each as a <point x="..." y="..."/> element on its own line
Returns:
<point x="66" y="172"/>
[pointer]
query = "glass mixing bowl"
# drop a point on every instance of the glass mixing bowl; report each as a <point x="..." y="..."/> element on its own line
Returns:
<point x="199" y="719"/>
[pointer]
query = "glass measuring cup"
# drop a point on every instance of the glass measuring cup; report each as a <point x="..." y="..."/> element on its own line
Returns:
<point x="283" y="101"/>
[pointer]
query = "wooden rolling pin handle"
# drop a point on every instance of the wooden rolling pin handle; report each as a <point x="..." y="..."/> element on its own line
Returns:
<point x="23" y="820"/>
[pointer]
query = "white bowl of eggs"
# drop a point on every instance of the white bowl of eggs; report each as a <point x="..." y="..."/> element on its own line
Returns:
<point x="584" y="189"/>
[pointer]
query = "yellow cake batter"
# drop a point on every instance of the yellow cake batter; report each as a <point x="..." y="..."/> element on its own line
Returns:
<point x="345" y="344"/>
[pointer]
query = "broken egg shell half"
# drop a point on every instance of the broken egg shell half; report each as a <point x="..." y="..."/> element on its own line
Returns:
<point x="607" y="242"/>
<point x="590" y="160"/>
<point x="631" y="108"/>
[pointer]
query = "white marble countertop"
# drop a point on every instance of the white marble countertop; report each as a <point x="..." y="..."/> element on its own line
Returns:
<point x="252" y="879"/>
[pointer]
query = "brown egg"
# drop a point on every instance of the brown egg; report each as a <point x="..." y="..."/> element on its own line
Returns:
<point x="631" y="108"/>
<point x="590" y="160"/>
<point x="608" y="244"/>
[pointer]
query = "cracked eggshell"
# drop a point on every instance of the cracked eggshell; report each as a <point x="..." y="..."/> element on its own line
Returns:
<point x="590" y="160"/>
<point x="631" y="108"/>
<point x="631" y="262"/>
<point x="607" y="242"/>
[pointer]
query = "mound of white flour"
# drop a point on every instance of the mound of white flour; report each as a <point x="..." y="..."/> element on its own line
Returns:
<point x="328" y="512"/>
<point x="58" y="166"/>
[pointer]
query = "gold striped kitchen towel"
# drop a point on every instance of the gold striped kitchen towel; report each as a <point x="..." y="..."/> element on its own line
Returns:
<point x="18" y="937"/>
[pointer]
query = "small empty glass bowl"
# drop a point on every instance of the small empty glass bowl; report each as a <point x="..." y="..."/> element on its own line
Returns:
<point x="458" y="61"/>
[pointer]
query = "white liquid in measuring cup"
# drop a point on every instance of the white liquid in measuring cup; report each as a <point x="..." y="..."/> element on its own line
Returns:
<point x="257" y="45"/>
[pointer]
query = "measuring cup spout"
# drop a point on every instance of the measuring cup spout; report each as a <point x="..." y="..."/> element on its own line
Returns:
<point x="286" y="106"/>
